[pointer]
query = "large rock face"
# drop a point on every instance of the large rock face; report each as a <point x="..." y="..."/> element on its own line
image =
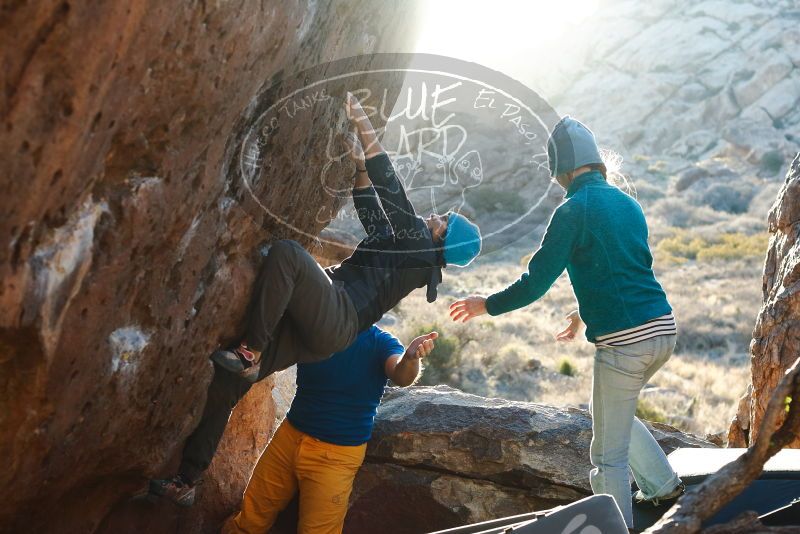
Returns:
<point x="776" y="337"/>
<point x="452" y="458"/>
<point x="129" y="245"/>
<point x="700" y="97"/>
<point x="685" y="79"/>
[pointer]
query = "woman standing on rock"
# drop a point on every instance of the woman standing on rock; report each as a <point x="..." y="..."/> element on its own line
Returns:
<point x="599" y="235"/>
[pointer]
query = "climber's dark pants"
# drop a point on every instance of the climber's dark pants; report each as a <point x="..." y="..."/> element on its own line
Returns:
<point x="291" y="285"/>
<point x="224" y="392"/>
<point x="296" y="314"/>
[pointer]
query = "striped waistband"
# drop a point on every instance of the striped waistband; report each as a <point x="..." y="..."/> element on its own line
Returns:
<point x="660" y="326"/>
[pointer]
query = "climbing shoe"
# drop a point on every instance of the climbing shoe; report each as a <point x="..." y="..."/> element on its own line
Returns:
<point x="679" y="490"/>
<point x="240" y="360"/>
<point x="174" y="489"/>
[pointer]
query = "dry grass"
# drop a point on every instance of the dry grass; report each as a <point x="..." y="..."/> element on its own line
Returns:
<point x="515" y="355"/>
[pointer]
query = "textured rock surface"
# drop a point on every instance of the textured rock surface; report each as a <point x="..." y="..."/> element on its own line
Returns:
<point x="430" y="500"/>
<point x="776" y="337"/>
<point x="460" y="458"/>
<point x="247" y="433"/>
<point x="687" y="79"/>
<point x="677" y="86"/>
<point x="129" y="248"/>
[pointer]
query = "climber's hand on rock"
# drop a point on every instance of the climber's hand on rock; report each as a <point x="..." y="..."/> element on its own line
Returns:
<point x="465" y="309"/>
<point x="354" y="150"/>
<point x="355" y="113"/>
<point x="359" y="121"/>
<point x="569" y="333"/>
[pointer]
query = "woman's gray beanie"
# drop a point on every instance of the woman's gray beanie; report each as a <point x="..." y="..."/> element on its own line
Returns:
<point x="571" y="145"/>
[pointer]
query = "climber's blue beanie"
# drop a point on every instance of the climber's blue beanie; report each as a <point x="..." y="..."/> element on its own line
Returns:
<point x="462" y="240"/>
<point x="571" y="145"/>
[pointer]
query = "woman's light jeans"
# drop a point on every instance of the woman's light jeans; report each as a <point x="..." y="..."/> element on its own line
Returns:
<point x="619" y="439"/>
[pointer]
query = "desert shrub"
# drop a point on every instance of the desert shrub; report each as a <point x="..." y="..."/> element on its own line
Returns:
<point x="489" y="200"/>
<point x="677" y="212"/>
<point x="513" y="352"/>
<point x="567" y="368"/>
<point x="728" y="198"/>
<point x="647" y="193"/>
<point x="736" y="246"/>
<point x="683" y="246"/>
<point x="689" y="177"/>
<point x="645" y="410"/>
<point x="772" y="162"/>
<point x="509" y="361"/>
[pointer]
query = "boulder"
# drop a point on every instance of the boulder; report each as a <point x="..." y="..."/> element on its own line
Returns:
<point x="667" y="78"/>
<point x="780" y="99"/>
<point x="776" y="336"/>
<point x="775" y="68"/>
<point x="393" y="499"/>
<point x="130" y="243"/>
<point x="452" y="458"/>
<point x="691" y="44"/>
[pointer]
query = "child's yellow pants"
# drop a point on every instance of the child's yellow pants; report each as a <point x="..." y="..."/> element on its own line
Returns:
<point x="322" y="472"/>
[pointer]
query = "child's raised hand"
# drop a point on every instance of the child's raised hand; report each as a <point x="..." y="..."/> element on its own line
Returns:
<point x="421" y="346"/>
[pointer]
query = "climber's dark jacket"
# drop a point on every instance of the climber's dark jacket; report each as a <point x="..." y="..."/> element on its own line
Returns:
<point x="397" y="256"/>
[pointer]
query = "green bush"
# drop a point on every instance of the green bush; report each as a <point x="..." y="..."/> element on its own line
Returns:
<point x="772" y="162"/>
<point x="567" y="368"/>
<point x="645" y="410"/>
<point x="683" y="246"/>
<point x="730" y="198"/>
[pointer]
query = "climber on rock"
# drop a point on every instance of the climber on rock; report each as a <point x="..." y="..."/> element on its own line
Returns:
<point x="327" y="308"/>
<point x="300" y="313"/>
<point x="320" y="445"/>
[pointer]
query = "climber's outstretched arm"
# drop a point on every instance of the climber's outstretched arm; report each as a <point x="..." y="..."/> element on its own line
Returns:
<point x="405" y="223"/>
<point x="365" y="199"/>
<point x="363" y="126"/>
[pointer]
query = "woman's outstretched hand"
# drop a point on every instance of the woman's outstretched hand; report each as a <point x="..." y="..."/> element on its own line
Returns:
<point x="569" y="333"/>
<point x="465" y="309"/>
